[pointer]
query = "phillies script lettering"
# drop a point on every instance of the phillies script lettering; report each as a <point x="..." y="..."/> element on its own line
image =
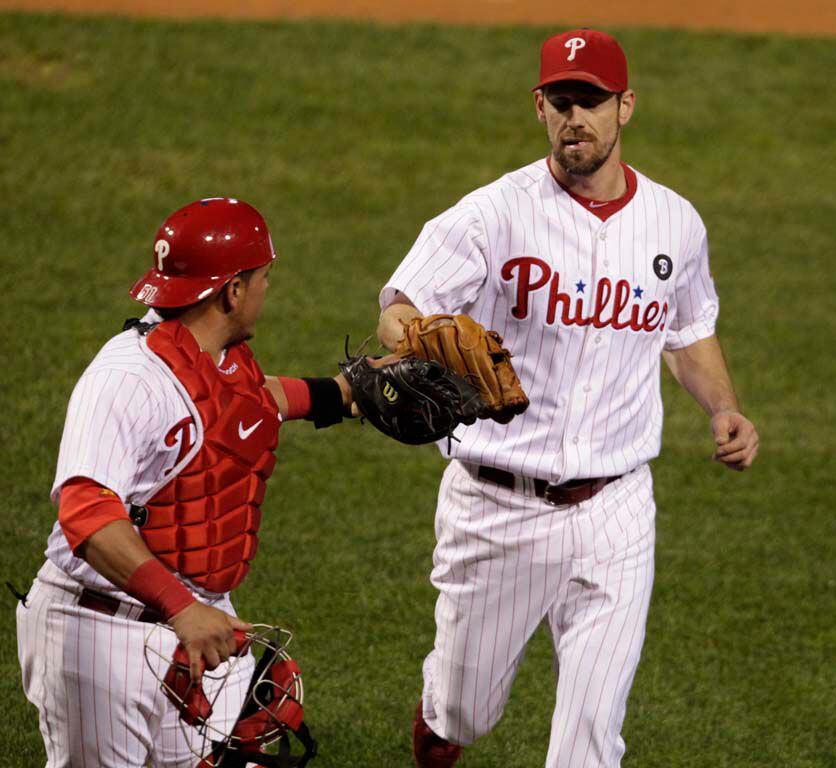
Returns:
<point x="610" y="303"/>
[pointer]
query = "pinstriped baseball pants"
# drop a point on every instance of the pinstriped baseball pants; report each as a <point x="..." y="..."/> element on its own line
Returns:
<point x="506" y="561"/>
<point x="100" y="704"/>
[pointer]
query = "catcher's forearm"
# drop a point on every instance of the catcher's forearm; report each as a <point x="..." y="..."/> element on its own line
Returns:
<point x="701" y="369"/>
<point x="116" y="551"/>
<point x="390" y="329"/>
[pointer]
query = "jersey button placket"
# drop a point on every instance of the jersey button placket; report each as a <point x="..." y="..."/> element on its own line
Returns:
<point x="569" y="465"/>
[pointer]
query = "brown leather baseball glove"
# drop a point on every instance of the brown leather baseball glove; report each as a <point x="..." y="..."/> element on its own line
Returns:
<point x="460" y="343"/>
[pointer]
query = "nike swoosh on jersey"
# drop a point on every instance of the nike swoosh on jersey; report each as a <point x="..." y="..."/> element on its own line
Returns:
<point x="599" y="205"/>
<point x="245" y="433"/>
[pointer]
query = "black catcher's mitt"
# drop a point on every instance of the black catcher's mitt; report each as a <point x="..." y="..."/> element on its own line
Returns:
<point x="414" y="401"/>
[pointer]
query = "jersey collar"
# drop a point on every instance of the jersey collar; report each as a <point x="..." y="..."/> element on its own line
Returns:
<point x="603" y="209"/>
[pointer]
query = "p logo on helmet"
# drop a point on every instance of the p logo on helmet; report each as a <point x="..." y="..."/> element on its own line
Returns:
<point x="576" y="43"/>
<point x="162" y="249"/>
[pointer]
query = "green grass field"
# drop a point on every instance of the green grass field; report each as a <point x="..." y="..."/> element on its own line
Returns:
<point x="348" y="137"/>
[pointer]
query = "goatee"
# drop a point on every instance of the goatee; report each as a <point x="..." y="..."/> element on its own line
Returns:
<point x="579" y="166"/>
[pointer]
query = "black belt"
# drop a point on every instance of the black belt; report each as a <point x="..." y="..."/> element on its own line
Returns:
<point x="96" y="601"/>
<point x="572" y="492"/>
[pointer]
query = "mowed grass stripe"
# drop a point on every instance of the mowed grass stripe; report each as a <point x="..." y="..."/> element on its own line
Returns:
<point x="348" y="137"/>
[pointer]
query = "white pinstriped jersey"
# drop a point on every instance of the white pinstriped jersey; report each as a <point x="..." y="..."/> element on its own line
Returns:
<point x="128" y="425"/>
<point x="585" y="307"/>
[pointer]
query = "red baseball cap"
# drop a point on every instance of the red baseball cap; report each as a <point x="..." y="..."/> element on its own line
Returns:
<point x="584" y="54"/>
<point x="201" y="247"/>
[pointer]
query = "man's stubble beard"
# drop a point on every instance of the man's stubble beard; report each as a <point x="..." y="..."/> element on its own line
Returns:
<point x="238" y="336"/>
<point x="585" y="167"/>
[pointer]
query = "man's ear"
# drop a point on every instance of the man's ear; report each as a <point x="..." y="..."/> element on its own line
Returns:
<point x="626" y="106"/>
<point x="538" y="105"/>
<point x="231" y="294"/>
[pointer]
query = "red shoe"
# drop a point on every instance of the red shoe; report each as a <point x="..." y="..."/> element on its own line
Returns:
<point x="429" y="749"/>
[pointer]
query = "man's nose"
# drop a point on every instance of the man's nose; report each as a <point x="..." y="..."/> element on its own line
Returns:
<point x="575" y="117"/>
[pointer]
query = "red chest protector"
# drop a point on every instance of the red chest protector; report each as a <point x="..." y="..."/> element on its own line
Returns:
<point x="204" y="522"/>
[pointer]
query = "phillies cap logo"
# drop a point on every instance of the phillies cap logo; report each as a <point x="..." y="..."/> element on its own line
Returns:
<point x="575" y="43"/>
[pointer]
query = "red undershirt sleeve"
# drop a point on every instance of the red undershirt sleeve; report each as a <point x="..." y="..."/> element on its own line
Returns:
<point x="298" y="396"/>
<point x="86" y="507"/>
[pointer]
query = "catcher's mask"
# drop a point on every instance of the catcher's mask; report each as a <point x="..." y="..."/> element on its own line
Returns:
<point x="272" y="708"/>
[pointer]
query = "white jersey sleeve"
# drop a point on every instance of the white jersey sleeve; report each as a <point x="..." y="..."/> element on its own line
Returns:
<point x="697" y="304"/>
<point x="447" y="265"/>
<point x="111" y="415"/>
<point x="127" y="426"/>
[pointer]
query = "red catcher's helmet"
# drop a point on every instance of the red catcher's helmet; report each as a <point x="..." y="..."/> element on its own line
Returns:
<point x="200" y="248"/>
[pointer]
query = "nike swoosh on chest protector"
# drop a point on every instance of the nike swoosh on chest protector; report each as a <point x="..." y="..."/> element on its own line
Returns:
<point x="245" y="433"/>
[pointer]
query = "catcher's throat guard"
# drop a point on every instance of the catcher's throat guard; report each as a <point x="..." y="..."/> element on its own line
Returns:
<point x="271" y="712"/>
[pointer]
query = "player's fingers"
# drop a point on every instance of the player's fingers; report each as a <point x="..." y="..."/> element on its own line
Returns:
<point x="734" y="458"/>
<point x="747" y="462"/>
<point x="732" y="446"/>
<point x="720" y="426"/>
<point x="379" y="362"/>
<point x="231" y="646"/>
<point x="240" y="624"/>
<point x="744" y="429"/>
<point x="195" y="663"/>
<point x="212" y="658"/>
<point x="222" y="649"/>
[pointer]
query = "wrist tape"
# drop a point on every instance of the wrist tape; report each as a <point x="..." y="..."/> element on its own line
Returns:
<point x="326" y="402"/>
<point x="158" y="588"/>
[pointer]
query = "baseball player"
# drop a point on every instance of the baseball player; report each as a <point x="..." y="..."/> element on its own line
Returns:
<point x="168" y="443"/>
<point x="591" y="272"/>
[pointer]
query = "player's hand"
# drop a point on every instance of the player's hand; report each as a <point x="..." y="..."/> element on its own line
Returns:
<point x="379" y="362"/>
<point x="736" y="440"/>
<point x="207" y="635"/>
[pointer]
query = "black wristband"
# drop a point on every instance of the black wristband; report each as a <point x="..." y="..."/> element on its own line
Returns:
<point x="326" y="402"/>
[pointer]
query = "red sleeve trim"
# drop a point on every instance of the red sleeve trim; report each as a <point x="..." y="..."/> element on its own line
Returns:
<point x="86" y="507"/>
<point x="298" y="396"/>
